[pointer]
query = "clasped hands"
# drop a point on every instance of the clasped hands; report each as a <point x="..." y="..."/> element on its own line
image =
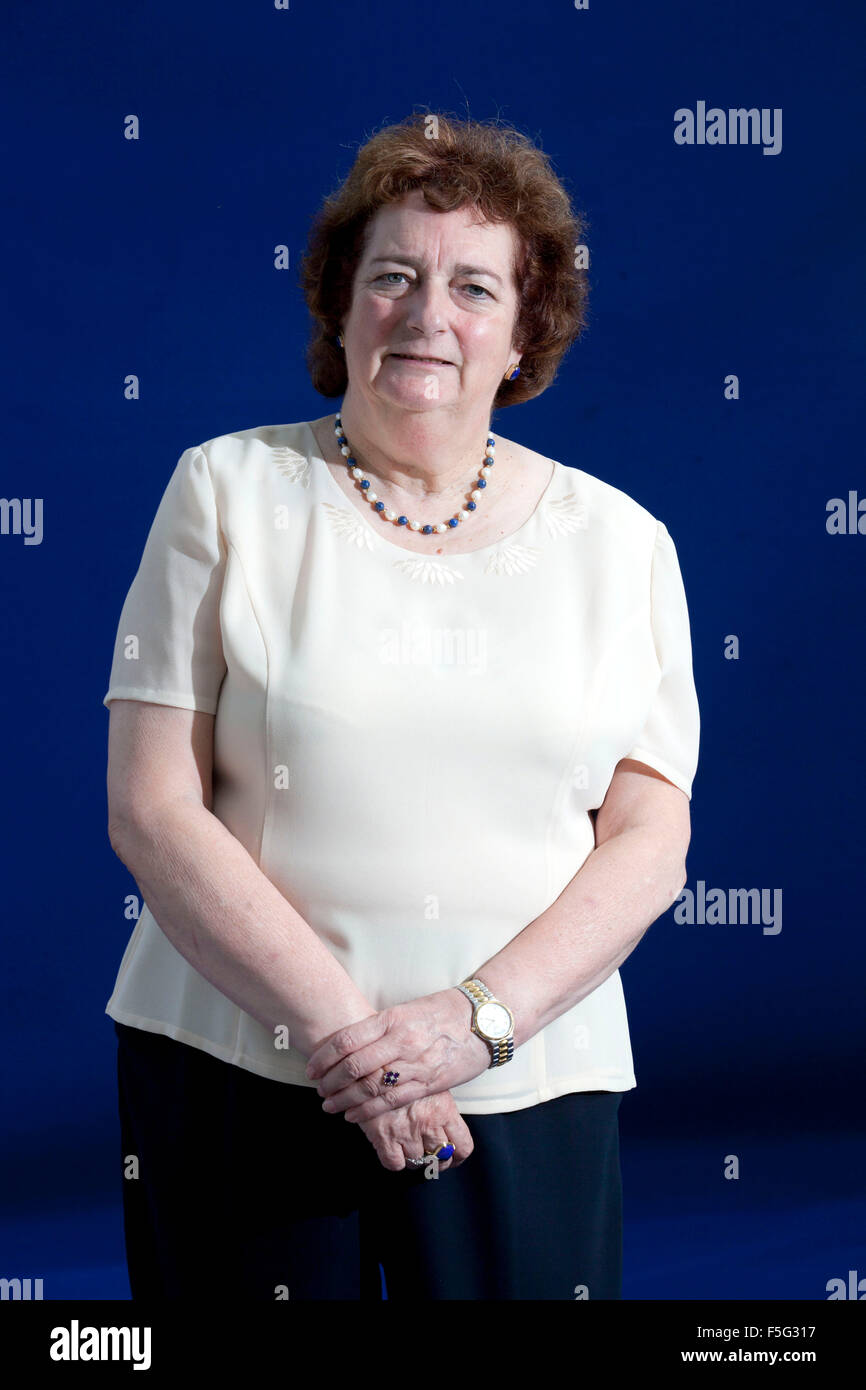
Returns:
<point x="428" y="1040"/>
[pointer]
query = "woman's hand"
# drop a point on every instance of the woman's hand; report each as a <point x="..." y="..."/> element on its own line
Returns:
<point x="419" y="1128"/>
<point x="429" y="1041"/>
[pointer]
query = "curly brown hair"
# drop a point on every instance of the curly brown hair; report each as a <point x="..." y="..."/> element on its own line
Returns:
<point x="508" y="179"/>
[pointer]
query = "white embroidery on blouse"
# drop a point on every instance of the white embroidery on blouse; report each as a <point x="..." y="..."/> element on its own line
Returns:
<point x="350" y="526"/>
<point x="564" y="516"/>
<point x="512" y="559"/>
<point x="296" y="467"/>
<point x="428" y="571"/>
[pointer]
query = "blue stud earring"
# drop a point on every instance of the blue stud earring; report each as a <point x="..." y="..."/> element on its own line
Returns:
<point x="339" y="340"/>
<point x="510" y="376"/>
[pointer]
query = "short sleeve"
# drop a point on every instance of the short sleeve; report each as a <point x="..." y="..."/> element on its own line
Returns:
<point x="670" y="735"/>
<point x="168" y="648"/>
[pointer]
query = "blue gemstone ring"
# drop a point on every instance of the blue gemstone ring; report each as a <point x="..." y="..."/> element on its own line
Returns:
<point x="442" y="1152"/>
<point x="389" y="1078"/>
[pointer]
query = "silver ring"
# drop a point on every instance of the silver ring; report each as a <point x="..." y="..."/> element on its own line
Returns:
<point x="422" y="1162"/>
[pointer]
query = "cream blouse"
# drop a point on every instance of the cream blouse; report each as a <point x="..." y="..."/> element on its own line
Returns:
<point x="408" y="747"/>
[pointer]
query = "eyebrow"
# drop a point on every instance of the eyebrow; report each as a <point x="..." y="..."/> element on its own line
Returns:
<point x="459" y="269"/>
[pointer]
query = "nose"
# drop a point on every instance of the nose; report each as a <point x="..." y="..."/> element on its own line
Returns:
<point x="427" y="307"/>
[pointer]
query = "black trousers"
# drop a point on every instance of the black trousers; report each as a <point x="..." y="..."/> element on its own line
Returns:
<point x="244" y="1187"/>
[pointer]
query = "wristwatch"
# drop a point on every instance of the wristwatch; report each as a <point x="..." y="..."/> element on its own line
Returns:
<point x="491" y="1020"/>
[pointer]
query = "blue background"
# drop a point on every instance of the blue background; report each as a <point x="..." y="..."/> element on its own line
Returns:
<point x="155" y="257"/>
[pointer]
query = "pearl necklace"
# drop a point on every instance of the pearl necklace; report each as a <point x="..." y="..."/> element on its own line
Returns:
<point x="460" y="515"/>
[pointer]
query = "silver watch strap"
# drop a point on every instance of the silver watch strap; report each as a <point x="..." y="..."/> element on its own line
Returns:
<point x="503" y="1048"/>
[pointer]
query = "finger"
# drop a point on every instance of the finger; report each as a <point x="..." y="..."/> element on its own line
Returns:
<point x="432" y="1143"/>
<point x="353" y="1070"/>
<point x="371" y="1087"/>
<point x="344" y="1042"/>
<point x="423" y="1146"/>
<point x="462" y="1140"/>
<point x="390" y="1155"/>
<point x="394" y="1098"/>
<point x="399" y="1153"/>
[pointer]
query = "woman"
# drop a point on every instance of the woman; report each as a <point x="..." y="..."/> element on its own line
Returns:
<point x="403" y="731"/>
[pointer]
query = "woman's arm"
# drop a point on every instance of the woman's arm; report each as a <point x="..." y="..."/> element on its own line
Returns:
<point x="206" y="892"/>
<point x="635" y="872"/>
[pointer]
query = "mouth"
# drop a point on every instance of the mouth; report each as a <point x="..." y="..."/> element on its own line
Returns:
<point x="425" y="361"/>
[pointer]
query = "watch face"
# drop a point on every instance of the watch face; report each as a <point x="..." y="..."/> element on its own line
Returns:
<point x="494" y="1021"/>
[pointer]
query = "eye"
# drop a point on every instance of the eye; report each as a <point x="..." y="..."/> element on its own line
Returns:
<point x="390" y="276"/>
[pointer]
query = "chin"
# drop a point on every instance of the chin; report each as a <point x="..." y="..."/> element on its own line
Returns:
<point x="413" y="397"/>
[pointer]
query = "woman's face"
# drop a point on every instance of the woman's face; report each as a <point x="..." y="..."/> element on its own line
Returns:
<point x="432" y="284"/>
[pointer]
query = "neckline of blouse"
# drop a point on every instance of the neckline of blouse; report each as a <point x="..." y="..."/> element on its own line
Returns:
<point x="314" y="454"/>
